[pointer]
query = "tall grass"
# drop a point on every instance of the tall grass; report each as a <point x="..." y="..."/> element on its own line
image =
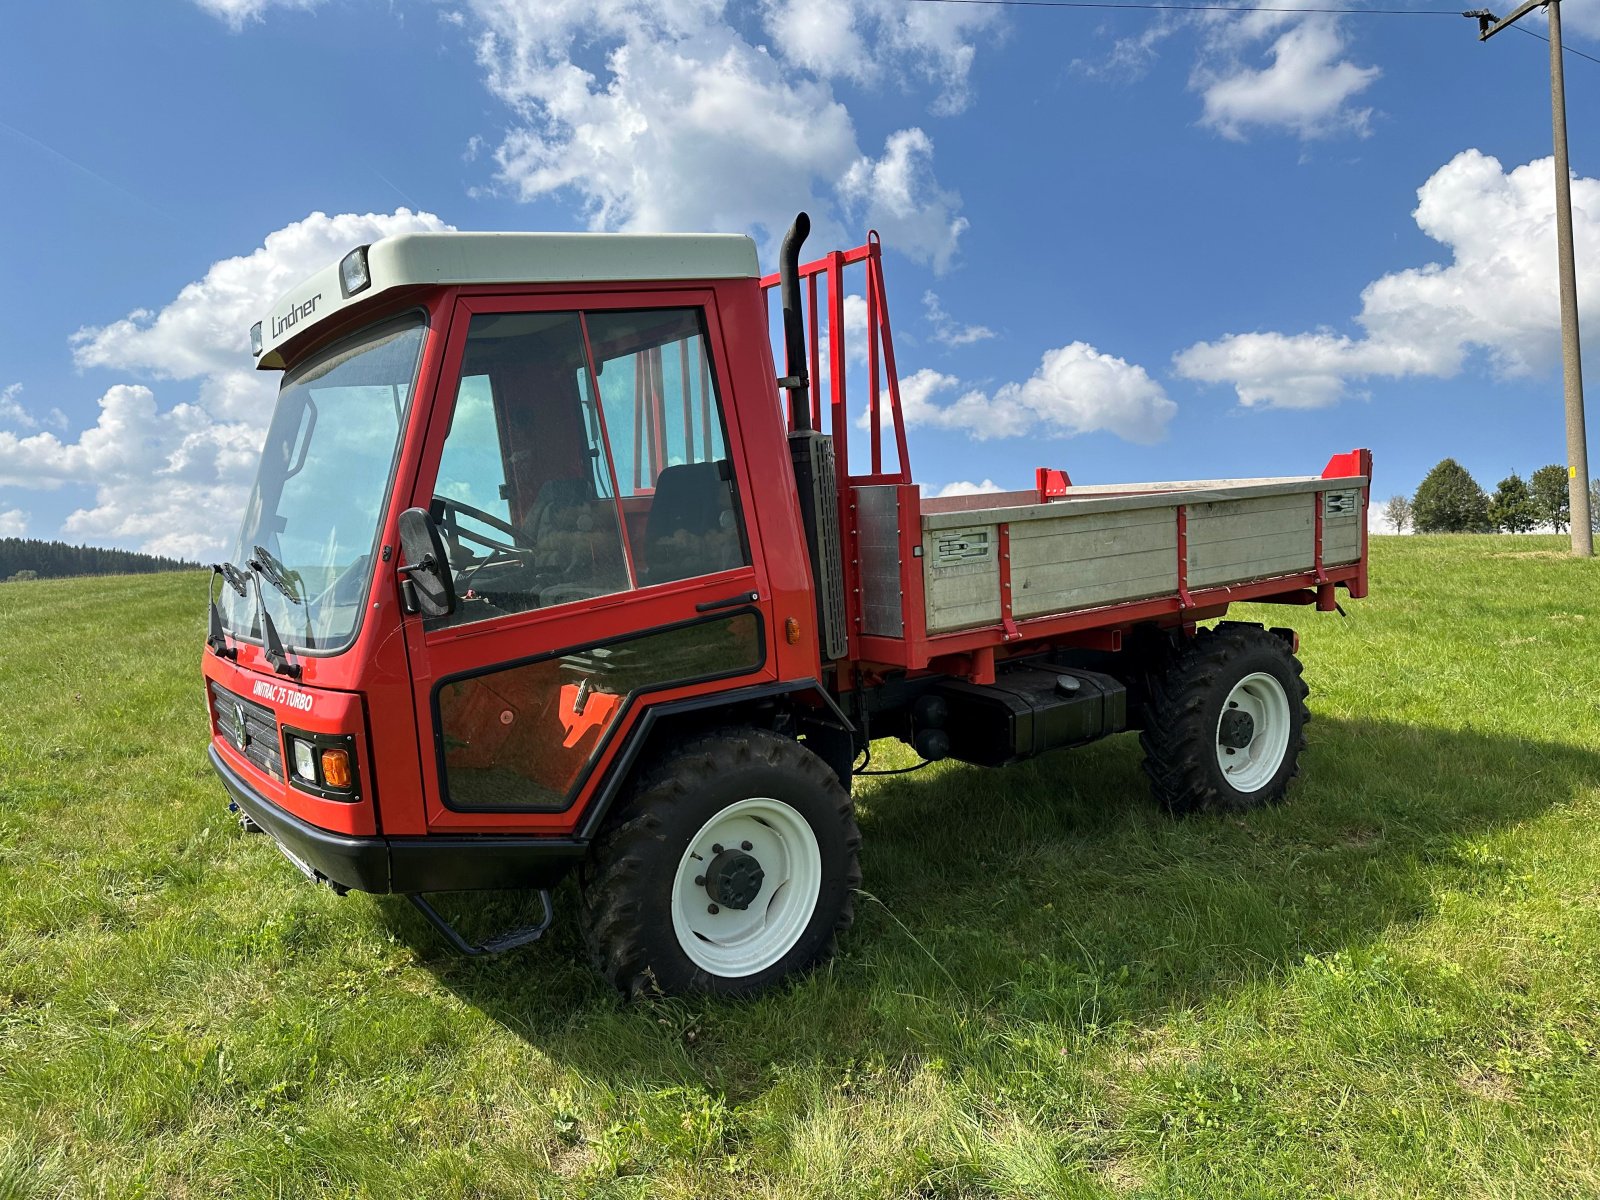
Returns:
<point x="1387" y="987"/>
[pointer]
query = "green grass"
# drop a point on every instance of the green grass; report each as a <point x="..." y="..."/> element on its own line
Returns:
<point x="1388" y="987"/>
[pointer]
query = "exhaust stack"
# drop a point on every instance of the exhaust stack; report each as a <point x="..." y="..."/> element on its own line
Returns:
<point x="794" y="329"/>
<point x="811" y="451"/>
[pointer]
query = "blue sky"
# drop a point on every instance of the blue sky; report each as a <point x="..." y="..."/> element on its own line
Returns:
<point x="1136" y="245"/>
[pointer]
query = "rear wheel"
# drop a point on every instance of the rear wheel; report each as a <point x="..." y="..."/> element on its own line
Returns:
<point x="732" y="864"/>
<point x="1226" y="722"/>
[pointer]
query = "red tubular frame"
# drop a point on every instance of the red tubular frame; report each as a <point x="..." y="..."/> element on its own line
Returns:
<point x="971" y="652"/>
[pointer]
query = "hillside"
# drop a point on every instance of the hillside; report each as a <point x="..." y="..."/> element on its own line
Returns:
<point x="1389" y="986"/>
<point x="57" y="560"/>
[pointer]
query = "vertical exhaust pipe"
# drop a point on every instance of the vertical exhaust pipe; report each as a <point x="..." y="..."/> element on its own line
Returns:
<point x="794" y="326"/>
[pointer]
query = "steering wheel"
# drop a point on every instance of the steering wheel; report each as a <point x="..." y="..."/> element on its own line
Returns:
<point x="451" y="510"/>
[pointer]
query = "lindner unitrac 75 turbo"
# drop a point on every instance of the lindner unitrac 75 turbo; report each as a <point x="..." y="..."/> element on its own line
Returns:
<point x="542" y="574"/>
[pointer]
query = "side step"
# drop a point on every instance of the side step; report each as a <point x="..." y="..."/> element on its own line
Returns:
<point x="509" y="940"/>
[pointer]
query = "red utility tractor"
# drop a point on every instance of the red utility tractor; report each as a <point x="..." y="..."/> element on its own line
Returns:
<point x="542" y="575"/>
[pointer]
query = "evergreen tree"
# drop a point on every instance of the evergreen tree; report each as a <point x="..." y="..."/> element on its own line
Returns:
<point x="1552" y="504"/>
<point x="1398" y="512"/>
<point x="29" y="558"/>
<point x="1449" y="500"/>
<point x="1511" y="510"/>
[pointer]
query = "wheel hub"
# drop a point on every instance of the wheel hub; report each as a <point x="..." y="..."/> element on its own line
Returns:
<point x="734" y="879"/>
<point x="1236" y="730"/>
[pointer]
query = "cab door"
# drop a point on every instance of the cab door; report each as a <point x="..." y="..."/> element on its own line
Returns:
<point x="584" y="470"/>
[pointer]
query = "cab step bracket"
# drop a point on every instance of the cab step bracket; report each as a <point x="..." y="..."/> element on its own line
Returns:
<point x="510" y="940"/>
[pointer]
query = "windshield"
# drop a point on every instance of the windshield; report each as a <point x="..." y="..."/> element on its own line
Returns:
<point x="312" y="518"/>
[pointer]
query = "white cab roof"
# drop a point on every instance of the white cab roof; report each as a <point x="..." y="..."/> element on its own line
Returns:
<point x="428" y="259"/>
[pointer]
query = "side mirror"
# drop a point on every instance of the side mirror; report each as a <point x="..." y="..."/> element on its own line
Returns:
<point x="426" y="584"/>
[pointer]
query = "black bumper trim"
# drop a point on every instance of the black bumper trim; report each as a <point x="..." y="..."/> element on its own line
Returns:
<point x="445" y="863"/>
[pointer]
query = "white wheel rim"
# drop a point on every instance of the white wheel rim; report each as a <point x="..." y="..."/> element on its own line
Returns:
<point x="1260" y="697"/>
<point x="733" y="943"/>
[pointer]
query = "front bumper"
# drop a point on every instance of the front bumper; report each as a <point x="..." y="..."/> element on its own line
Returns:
<point x="407" y="864"/>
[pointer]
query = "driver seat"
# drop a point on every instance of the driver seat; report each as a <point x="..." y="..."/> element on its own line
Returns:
<point x="577" y="547"/>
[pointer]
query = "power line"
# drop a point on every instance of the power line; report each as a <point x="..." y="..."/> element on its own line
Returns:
<point x="1238" y="8"/>
<point x="1233" y="8"/>
<point x="1568" y="49"/>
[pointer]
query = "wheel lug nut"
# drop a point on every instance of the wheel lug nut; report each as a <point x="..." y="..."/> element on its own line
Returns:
<point x="716" y="847"/>
<point x="713" y="909"/>
<point x="746" y="846"/>
<point x="699" y="881"/>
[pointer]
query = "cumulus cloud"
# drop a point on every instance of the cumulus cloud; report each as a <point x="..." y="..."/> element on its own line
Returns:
<point x="239" y="12"/>
<point x="13" y="523"/>
<point x="205" y="330"/>
<point x="663" y="116"/>
<point x="863" y="40"/>
<point x="965" y="487"/>
<point x="16" y="415"/>
<point x="1305" y="84"/>
<point x="172" y="479"/>
<point x="1076" y="389"/>
<point x="1497" y="295"/>
<point x="946" y="330"/>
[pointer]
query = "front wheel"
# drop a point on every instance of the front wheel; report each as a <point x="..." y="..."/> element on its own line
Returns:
<point x="732" y="864"/>
<point x="1226" y="722"/>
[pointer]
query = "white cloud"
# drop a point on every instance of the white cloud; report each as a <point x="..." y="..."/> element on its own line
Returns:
<point x="14" y="413"/>
<point x="863" y="40"/>
<point x="1131" y="57"/>
<point x="946" y="331"/>
<point x="173" y="480"/>
<point x="1305" y="86"/>
<point x="237" y="12"/>
<point x="964" y="487"/>
<point x="13" y="523"/>
<point x="1076" y="389"/>
<point x="11" y="409"/>
<point x="1497" y="294"/>
<point x="662" y="116"/>
<point x="206" y="328"/>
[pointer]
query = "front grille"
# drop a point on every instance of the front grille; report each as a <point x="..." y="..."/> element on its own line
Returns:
<point x="250" y="728"/>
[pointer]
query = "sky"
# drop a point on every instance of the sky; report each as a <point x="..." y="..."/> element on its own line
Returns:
<point x="1131" y="244"/>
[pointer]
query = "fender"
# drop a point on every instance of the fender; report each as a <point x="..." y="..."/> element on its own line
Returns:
<point x="622" y="765"/>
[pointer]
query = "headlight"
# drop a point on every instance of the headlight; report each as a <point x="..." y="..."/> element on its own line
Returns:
<point x="323" y="764"/>
<point x="353" y="274"/>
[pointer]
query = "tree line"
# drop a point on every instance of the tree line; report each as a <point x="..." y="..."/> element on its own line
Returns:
<point x="29" y="558"/>
<point x="1449" y="500"/>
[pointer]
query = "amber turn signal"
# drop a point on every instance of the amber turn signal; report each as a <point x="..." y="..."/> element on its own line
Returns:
<point x="791" y="631"/>
<point x="336" y="768"/>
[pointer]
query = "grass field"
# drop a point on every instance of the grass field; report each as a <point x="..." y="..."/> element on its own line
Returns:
<point x="1388" y="987"/>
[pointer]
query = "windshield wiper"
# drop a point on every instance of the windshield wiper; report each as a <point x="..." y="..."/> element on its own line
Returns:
<point x="276" y="573"/>
<point x="271" y="644"/>
<point x="216" y="636"/>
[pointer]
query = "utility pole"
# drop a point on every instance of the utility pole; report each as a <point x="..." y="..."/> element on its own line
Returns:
<point x="1571" y="365"/>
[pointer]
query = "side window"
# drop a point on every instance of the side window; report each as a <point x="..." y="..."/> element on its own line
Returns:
<point x="522" y="738"/>
<point x="663" y="419"/>
<point x="524" y="496"/>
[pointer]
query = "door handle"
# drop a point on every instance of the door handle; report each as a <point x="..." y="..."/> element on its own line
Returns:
<point x="741" y="598"/>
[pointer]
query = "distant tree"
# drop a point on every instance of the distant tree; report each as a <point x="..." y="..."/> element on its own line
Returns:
<point x="23" y="576"/>
<point x="1551" y="502"/>
<point x="1511" y="508"/>
<point x="1449" y="500"/>
<point x="31" y="558"/>
<point x="1398" y="512"/>
<point x="1594" y="505"/>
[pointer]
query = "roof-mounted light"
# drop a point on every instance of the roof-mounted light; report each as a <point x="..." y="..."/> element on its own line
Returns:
<point x="255" y="340"/>
<point x="353" y="274"/>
